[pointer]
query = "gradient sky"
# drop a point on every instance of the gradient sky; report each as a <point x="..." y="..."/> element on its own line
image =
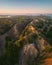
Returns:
<point x="25" y="6"/>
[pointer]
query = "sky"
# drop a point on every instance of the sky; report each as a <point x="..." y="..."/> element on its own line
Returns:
<point x="19" y="7"/>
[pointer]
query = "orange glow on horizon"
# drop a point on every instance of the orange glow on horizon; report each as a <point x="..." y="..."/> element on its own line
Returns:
<point x="25" y="11"/>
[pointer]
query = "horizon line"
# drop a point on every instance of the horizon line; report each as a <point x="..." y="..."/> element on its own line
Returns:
<point x="28" y="14"/>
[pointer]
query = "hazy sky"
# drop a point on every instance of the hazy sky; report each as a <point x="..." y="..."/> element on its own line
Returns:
<point x="25" y="6"/>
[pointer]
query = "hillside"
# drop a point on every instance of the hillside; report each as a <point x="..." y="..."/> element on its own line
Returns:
<point x="24" y="40"/>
